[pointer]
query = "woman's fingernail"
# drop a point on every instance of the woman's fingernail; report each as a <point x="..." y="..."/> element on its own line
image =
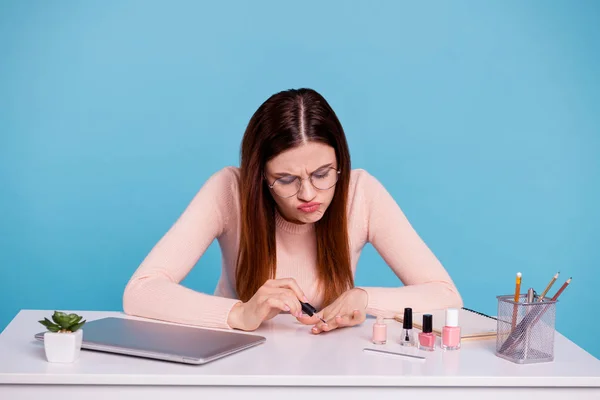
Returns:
<point x="304" y="299"/>
<point x="338" y="316"/>
<point x="287" y="308"/>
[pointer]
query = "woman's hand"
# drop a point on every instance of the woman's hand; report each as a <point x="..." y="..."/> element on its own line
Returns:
<point x="270" y="299"/>
<point x="347" y="310"/>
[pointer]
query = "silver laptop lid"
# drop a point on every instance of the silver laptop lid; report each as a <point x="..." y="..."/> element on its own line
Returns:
<point x="162" y="341"/>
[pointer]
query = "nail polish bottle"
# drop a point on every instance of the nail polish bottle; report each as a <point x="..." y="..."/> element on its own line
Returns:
<point x="407" y="328"/>
<point x="451" y="331"/>
<point x="426" y="337"/>
<point x="379" y="331"/>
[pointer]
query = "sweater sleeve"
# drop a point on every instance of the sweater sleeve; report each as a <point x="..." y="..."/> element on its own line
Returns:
<point x="427" y="285"/>
<point x="154" y="290"/>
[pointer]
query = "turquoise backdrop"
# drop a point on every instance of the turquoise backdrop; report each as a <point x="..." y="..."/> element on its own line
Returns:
<point x="480" y="117"/>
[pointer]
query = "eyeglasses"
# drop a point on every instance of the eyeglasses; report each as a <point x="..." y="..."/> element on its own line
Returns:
<point x="321" y="179"/>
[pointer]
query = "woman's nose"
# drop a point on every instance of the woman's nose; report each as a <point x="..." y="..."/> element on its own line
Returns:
<point x="307" y="192"/>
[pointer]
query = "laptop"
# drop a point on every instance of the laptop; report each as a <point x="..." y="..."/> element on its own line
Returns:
<point x="178" y="343"/>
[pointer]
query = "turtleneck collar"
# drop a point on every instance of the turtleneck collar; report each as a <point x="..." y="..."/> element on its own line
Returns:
<point x="289" y="227"/>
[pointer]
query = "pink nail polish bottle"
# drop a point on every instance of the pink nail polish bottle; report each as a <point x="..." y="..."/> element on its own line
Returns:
<point x="451" y="331"/>
<point x="379" y="331"/>
<point x="426" y="337"/>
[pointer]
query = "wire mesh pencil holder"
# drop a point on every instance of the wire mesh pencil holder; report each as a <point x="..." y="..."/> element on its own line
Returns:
<point x="525" y="329"/>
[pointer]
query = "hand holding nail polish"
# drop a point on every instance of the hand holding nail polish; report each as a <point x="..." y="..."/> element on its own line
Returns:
<point x="275" y="296"/>
<point x="347" y="310"/>
<point x="309" y="310"/>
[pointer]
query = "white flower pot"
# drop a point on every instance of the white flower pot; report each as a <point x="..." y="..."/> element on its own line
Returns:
<point x="63" y="347"/>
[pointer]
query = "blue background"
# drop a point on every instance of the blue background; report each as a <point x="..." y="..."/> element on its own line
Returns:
<point x="481" y="118"/>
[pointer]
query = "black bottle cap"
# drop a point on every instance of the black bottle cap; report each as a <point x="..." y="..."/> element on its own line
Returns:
<point x="427" y="323"/>
<point x="407" y="320"/>
<point x="308" y="309"/>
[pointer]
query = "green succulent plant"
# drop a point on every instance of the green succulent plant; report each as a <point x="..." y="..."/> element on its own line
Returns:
<point x="63" y="323"/>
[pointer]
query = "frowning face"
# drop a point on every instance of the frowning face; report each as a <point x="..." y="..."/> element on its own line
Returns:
<point x="302" y="181"/>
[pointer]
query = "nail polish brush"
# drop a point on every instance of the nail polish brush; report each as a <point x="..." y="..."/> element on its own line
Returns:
<point x="310" y="311"/>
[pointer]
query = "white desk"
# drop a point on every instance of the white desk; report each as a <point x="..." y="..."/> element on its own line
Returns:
<point x="295" y="364"/>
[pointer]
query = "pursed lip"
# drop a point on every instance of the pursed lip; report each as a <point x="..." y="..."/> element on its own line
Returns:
<point x="308" y="205"/>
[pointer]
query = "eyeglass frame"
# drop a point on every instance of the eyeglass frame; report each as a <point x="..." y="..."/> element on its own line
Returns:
<point x="337" y="171"/>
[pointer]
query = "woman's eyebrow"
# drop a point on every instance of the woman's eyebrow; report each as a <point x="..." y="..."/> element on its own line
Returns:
<point x="282" y="174"/>
<point x="323" y="166"/>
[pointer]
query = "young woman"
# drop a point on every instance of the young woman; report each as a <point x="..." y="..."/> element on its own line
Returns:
<point x="291" y="223"/>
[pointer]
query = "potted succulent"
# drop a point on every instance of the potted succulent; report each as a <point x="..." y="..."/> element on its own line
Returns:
<point x="62" y="341"/>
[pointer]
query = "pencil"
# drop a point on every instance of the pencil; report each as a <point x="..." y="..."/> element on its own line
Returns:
<point x="563" y="287"/>
<point x="517" y="295"/>
<point x="549" y="286"/>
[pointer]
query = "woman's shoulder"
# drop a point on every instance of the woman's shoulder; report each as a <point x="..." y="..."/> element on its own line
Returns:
<point x="222" y="186"/>
<point x="226" y="178"/>
<point x="361" y="179"/>
<point x="220" y="193"/>
<point x="363" y="190"/>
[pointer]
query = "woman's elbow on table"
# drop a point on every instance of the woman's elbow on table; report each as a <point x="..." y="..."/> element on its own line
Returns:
<point x="454" y="299"/>
<point x="133" y="297"/>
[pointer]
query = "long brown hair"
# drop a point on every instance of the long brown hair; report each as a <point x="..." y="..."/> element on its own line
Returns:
<point x="274" y="128"/>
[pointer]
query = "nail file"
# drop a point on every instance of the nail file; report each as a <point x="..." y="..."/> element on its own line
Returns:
<point x="393" y="353"/>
